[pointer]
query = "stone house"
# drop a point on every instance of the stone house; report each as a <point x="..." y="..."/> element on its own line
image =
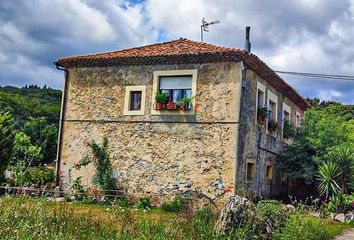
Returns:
<point x="214" y="144"/>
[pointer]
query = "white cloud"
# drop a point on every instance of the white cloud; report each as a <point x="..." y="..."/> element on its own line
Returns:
<point x="329" y="95"/>
<point x="302" y="35"/>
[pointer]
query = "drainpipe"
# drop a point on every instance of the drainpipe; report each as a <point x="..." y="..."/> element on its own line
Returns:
<point x="243" y="85"/>
<point x="61" y="122"/>
<point x="240" y="91"/>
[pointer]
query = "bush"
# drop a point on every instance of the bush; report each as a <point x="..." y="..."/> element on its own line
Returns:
<point x="303" y="228"/>
<point x="143" y="203"/>
<point x="33" y="176"/>
<point x="174" y="206"/>
<point x="270" y="214"/>
<point x="123" y="202"/>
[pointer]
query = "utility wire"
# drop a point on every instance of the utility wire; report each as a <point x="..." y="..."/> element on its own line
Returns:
<point x="319" y="75"/>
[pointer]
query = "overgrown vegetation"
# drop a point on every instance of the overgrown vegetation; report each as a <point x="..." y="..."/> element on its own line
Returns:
<point x="7" y="137"/>
<point x="326" y="125"/>
<point x="101" y="159"/>
<point x="42" y="218"/>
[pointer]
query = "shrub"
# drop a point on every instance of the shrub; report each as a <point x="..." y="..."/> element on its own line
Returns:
<point x="143" y="203"/>
<point x="122" y="202"/>
<point x="174" y="206"/>
<point x="303" y="228"/>
<point x="33" y="176"/>
<point x="270" y="214"/>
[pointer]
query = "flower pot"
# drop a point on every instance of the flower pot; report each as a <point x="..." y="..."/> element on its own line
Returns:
<point x="171" y="105"/>
<point x="260" y="119"/>
<point x="182" y="106"/>
<point x="159" y="105"/>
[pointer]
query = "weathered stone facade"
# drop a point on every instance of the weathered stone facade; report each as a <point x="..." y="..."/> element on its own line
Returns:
<point x="255" y="144"/>
<point x="168" y="154"/>
<point x="155" y="155"/>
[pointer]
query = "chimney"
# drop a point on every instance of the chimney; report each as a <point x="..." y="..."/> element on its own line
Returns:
<point x="247" y="40"/>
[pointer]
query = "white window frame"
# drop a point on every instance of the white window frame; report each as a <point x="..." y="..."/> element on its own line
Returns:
<point x="274" y="98"/>
<point x="127" y="111"/>
<point x="286" y="108"/>
<point x="261" y="87"/>
<point x="155" y="88"/>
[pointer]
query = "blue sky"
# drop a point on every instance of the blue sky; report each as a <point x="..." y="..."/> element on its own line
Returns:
<point x="300" y="35"/>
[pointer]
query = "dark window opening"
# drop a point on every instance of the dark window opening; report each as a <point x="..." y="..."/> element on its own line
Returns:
<point x="135" y="101"/>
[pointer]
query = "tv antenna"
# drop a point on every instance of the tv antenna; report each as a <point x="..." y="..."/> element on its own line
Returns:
<point x="205" y="27"/>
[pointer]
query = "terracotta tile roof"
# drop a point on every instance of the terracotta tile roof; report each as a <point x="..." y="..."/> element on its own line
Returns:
<point x="184" y="51"/>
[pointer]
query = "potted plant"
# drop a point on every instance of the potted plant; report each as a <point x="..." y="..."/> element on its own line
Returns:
<point x="171" y="105"/>
<point x="272" y="125"/>
<point x="185" y="103"/>
<point x="262" y="114"/>
<point x="161" y="99"/>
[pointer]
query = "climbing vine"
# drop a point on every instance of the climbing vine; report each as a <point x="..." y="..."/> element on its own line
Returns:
<point x="101" y="160"/>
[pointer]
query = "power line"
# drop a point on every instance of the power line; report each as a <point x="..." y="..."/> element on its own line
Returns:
<point x="319" y="75"/>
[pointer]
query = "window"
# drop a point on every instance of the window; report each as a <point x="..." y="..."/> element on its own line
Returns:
<point x="176" y="84"/>
<point x="269" y="173"/>
<point x="272" y="110"/>
<point x="272" y="113"/>
<point x="260" y="104"/>
<point x="251" y="171"/>
<point x="298" y="119"/>
<point x="177" y="87"/>
<point x="134" y="101"/>
<point x="286" y="121"/>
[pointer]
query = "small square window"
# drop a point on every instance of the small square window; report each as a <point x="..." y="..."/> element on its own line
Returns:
<point x="269" y="173"/>
<point x="251" y="171"/>
<point x="134" y="102"/>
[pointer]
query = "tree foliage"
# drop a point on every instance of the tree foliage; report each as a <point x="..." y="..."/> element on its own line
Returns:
<point x="36" y="112"/>
<point x="328" y="174"/>
<point x="7" y="136"/>
<point x="326" y="125"/>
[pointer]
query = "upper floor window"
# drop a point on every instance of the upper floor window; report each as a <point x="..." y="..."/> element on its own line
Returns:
<point x="262" y="110"/>
<point x="272" y="113"/>
<point x="176" y="88"/>
<point x="298" y="119"/>
<point x="174" y="92"/>
<point x="134" y="101"/>
<point x="287" y="125"/>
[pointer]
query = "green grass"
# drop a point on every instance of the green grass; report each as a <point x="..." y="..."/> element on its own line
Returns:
<point x="40" y="218"/>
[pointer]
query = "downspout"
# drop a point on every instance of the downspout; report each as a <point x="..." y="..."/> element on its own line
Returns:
<point x="243" y="78"/>
<point x="240" y="91"/>
<point x="61" y="122"/>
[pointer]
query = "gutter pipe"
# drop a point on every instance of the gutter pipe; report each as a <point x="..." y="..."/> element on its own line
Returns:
<point x="61" y="122"/>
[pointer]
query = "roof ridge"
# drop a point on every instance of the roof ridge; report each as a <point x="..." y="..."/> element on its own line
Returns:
<point x="124" y="49"/>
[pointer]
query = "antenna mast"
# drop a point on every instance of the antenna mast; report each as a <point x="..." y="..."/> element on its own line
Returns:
<point x="205" y="27"/>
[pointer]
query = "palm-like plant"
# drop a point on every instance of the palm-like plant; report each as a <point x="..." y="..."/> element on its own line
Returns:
<point x="328" y="174"/>
<point x="343" y="157"/>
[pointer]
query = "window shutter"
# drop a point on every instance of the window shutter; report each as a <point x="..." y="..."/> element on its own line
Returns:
<point x="176" y="82"/>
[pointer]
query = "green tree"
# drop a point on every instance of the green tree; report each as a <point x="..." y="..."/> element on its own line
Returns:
<point x="25" y="151"/>
<point x="43" y="135"/>
<point x="6" y="141"/>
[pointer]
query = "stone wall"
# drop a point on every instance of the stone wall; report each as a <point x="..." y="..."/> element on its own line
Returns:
<point x="154" y="155"/>
<point x="255" y="145"/>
